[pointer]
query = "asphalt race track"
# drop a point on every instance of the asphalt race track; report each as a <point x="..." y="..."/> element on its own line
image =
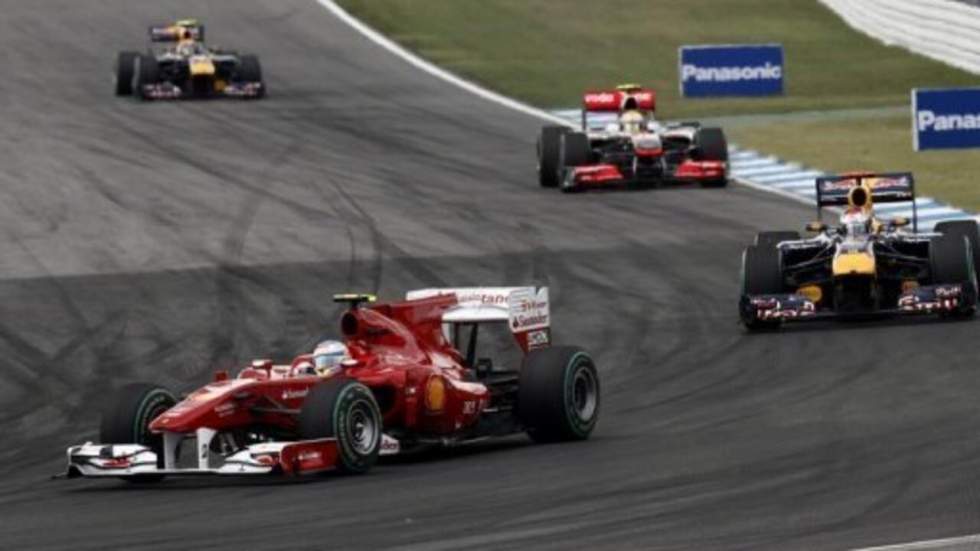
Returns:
<point x="161" y="241"/>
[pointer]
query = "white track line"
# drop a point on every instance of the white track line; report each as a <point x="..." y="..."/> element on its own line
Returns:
<point x="426" y="66"/>
<point x="952" y="543"/>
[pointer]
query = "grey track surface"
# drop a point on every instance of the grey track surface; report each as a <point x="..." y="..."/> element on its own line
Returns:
<point x="157" y="242"/>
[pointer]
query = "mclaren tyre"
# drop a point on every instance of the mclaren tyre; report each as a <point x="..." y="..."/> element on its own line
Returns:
<point x="712" y="146"/>
<point x="549" y="146"/>
<point x="574" y="151"/>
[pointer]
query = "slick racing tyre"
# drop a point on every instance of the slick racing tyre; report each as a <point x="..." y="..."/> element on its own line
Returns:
<point x="711" y="145"/>
<point x="968" y="229"/>
<point x="125" y="73"/>
<point x="761" y="275"/>
<point x="558" y="397"/>
<point x="127" y="416"/>
<point x="549" y="143"/>
<point x="346" y="410"/>
<point x="250" y="70"/>
<point x="951" y="260"/>
<point x="148" y="73"/>
<point x="772" y="238"/>
<point x="574" y="151"/>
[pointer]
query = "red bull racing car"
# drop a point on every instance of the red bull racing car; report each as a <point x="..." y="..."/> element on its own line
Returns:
<point x="406" y="375"/>
<point x="180" y="66"/>
<point x="632" y="149"/>
<point x="864" y="266"/>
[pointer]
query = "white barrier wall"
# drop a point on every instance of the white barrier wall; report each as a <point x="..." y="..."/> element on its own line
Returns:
<point x="944" y="30"/>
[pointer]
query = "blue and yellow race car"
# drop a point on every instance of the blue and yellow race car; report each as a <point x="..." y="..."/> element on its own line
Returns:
<point x="178" y="65"/>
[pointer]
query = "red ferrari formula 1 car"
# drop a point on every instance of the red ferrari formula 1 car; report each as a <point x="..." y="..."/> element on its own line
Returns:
<point x="635" y="150"/>
<point x="406" y="375"/>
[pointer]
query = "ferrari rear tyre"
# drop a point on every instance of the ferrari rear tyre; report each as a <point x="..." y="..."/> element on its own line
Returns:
<point x="574" y="151"/>
<point x="761" y="275"/>
<point x="771" y="238"/>
<point x="968" y="229"/>
<point x="549" y="143"/>
<point x="951" y="260"/>
<point x="346" y="410"/>
<point x="712" y="146"/>
<point x="558" y="399"/>
<point x="125" y="73"/>
<point x="127" y="416"/>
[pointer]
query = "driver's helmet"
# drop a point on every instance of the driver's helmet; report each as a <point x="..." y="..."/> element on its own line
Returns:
<point x="632" y="122"/>
<point x="856" y="222"/>
<point x="328" y="356"/>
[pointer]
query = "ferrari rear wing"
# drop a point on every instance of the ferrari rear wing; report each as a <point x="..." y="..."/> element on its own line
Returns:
<point x="885" y="187"/>
<point x="525" y="309"/>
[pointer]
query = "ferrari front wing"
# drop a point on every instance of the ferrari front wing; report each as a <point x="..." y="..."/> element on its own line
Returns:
<point x="135" y="461"/>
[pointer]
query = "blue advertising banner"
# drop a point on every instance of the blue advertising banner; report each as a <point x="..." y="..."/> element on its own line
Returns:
<point x="945" y="118"/>
<point x="731" y="70"/>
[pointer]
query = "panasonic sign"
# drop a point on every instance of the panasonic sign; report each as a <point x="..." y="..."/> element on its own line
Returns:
<point x="731" y="70"/>
<point x="947" y="118"/>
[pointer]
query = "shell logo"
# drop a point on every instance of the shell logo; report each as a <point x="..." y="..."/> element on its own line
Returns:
<point x="435" y="394"/>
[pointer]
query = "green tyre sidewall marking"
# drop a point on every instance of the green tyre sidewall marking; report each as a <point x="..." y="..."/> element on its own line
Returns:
<point x="147" y="411"/>
<point x="348" y="396"/>
<point x="580" y="427"/>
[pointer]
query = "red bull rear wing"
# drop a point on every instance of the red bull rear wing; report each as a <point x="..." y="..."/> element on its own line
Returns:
<point x="187" y="29"/>
<point x="885" y="187"/>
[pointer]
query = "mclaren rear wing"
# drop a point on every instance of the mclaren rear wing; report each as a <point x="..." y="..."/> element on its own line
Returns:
<point x="624" y="97"/>
<point x="526" y="310"/>
<point x="890" y="187"/>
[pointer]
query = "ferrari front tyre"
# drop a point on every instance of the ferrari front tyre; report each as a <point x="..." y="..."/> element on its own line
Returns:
<point x="558" y="397"/>
<point x="772" y="238"/>
<point x="346" y="410"/>
<point x="549" y="143"/>
<point x="964" y="228"/>
<point x="951" y="261"/>
<point x="711" y="145"/>
<point x="761" y="275"/>
<point x="125" y="73"/>
<point x="127" y="416"/>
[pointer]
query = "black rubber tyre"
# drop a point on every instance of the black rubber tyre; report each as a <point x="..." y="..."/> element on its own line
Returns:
<point x="558" y="399"/>
<point x="712" y="146"/>
<point x="125" y="73"/>
<point x="549" y="144"/>
<point x="771" y="238"/>
<point x="968" y="229"/>
<point x="346" y="410"/>
<point x="951" y="260"/>
<point x="574" y="151"/>
<point x="127" y="415"/>
<point x="250" y="70"/>
<point x="148" y="73"/>
<point x="761" y="275"/>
